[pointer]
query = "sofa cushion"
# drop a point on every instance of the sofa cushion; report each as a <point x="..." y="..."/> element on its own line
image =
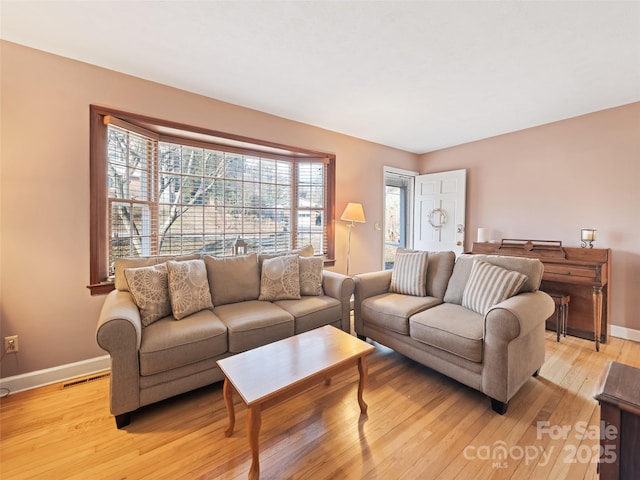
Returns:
<point x="531" y="267"/>
<point x="188" y="287"/>
<point x="392" y="310"/>
<point x="280" y="278"/>
<point x="439" y="269"/>
<point x="306" y="251"/>
<point x="233" y="279"/>
<point x="167" y="344"/>
<point x="409" y="274"/>
<point x="311" y="275"/>
<point x="254" y="323"/>
<point x="149" y="287"/>
<point x="120" y="282"/>
<point x="312" y="312"/>
<point x="489" y="285"/>
<point x="451" y="328"/>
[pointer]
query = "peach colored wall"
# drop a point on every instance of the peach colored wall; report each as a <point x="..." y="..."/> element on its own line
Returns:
<point x="44" y="260"/>
<point x="550" y="181"/>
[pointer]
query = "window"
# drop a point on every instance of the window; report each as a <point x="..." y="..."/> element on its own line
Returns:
<point x="159" y="188"/>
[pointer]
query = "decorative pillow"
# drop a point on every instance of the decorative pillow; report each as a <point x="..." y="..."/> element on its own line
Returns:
<point x="188" y="287"/>
<point x="310" y="269"/>
<point x="150" y="289"/>
<point x="409" y="275"/>
<point x="280" y="279"/>
<point x="489" y="285"/>
<point x="233" y="279"/>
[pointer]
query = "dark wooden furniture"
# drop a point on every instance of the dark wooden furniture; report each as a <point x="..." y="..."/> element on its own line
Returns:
<point x="562" y="312"/>
<point x="581" y="273"/>
<point x="618" y="391"/>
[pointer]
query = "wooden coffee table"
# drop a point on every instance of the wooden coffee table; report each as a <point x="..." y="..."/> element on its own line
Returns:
<point x="275" y="372"/>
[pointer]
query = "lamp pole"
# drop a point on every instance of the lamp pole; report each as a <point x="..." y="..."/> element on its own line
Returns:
<point x="349" y="226"/>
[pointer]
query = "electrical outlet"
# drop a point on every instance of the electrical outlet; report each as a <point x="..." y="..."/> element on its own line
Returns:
<point x="11" y="344"/>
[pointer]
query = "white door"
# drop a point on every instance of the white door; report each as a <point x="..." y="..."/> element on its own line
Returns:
<point x="439" y="219"/>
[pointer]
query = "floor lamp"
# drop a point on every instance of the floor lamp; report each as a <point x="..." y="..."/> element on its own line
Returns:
<point x="353" y="213"/>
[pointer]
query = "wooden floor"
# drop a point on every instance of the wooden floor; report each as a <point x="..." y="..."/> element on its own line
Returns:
<point x="420" y="425"/>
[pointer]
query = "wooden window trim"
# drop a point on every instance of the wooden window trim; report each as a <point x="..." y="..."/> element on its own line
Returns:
<point x="165" y="130"/>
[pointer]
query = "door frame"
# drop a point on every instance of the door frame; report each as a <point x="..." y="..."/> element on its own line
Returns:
<point x="410" y="205"/>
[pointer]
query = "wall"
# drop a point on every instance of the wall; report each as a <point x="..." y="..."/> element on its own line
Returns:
<point x="44" y="238"/>
<point x="548" y="182"/>
<point x="545" y="182"/>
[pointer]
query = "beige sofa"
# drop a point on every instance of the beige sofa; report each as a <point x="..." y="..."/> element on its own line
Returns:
<point x="240" y="305"/>
<point x="494" y="350"/>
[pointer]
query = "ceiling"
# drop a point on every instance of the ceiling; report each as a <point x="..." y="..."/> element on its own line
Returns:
<point x="419" y="76"/>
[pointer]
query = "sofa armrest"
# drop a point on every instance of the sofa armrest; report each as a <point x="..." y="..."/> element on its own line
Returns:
<point x="119" y="332"/>
<point x="341" y="288"/>
<point x="514" y="343"/>
<point x="518" y="315"/>
<point x="372" y="284"/>
<point x="368" y="285"/>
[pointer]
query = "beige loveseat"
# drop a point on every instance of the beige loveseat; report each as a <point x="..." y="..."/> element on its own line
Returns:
<point x="495" y="349"/>
<point x="237" y="304"/>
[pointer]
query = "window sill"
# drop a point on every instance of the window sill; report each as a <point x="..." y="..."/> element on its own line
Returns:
<point x="101" y="288"/>
<point x="329" y="262"/>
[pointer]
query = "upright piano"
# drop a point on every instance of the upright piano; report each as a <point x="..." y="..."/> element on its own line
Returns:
<point x="582" y="273"/>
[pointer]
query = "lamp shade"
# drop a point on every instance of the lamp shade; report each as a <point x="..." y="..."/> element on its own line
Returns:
<point x="353" y="213"/>
<point x="588" y="234"/>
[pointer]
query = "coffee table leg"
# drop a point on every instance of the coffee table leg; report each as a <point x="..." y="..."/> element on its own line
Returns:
<point x="363" y="370"/>
<point x="253" y="431"/>
<point x="227" y="392"/>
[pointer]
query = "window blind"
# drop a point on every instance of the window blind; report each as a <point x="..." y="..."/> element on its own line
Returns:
<point x="170" y="194"/>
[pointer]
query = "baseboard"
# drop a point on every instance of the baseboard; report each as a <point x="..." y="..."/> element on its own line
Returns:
<point x="626" y="333"/>
<point x="40" y="378"/>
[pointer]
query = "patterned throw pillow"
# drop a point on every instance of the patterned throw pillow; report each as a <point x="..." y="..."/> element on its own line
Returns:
<point x="489" y="285"/>
<point x="311" y="275"/>
<point x="280" y="279"/>
<point x="188" y="287"/>
<point x="150" y="289"/>
<point x="409" y="275"/>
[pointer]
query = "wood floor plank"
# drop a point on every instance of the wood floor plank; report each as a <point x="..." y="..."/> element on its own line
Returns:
<point x="420" y="424"/>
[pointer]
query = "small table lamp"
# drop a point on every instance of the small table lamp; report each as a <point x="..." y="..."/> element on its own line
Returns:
<point x="588" y="236"/>
<point x="353" y="213"/>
